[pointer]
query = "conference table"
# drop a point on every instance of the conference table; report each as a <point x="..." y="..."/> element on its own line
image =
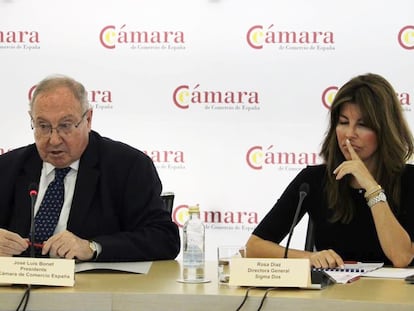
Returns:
<point x="159" y="290"/>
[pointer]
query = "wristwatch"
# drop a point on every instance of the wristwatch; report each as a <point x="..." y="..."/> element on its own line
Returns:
<point x="380" y="197"/>
<point x="94" y="248"/>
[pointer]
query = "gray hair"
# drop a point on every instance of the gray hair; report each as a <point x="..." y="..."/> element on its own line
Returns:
<point x="55" y="81"/>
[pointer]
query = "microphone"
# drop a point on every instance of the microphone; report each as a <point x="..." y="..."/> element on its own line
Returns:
<point x="319" y="278"/>
<point x="303" y="192"/>
<point x="33" y="187"/>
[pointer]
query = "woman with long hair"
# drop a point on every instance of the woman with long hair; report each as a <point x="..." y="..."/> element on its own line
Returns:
<point x="360" y="199"/>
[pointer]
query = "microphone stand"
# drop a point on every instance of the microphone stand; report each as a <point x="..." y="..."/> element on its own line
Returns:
<point x="318" y="276"/>
<point x="302" y="195"/>
<point x="33" y="197"/>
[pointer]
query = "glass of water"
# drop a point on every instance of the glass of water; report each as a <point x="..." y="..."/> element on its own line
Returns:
<point x="224" y="254"/>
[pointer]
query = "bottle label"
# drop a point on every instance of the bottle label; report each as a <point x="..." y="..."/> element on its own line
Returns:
<point x="194" y="238"/>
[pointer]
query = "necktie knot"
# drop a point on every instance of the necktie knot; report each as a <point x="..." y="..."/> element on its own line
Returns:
<point x="60" y="173"/>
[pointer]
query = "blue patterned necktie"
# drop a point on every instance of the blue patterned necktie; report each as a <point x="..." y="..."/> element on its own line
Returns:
<point x="49" y="211"/>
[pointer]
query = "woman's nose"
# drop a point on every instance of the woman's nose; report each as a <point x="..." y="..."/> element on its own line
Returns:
<point x="350" y="132"/>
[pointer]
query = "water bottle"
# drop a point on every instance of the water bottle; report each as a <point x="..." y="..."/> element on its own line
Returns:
<point x="193" y="247"/>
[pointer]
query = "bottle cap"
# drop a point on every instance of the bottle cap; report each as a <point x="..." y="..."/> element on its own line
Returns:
<point x="194" y="209"/>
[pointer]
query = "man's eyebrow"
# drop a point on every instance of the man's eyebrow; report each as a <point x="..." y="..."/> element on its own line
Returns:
<point x="69" y="117"/>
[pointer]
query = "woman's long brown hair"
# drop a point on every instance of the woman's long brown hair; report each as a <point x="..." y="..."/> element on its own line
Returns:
<point x="381" y="111"/>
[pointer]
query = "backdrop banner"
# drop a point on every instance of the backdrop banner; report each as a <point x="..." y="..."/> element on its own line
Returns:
<point x="229" y="98"/>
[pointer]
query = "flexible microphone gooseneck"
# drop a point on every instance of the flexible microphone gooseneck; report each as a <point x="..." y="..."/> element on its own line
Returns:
<point x="303" y="192"/>
<point x="33" y="196"/>
<point x="33" y="187"/>
<point x="318" y="277"/>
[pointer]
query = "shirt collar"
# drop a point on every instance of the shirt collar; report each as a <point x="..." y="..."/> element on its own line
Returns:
<point x="49" y="167"/>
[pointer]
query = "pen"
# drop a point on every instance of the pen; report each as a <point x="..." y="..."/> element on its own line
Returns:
<point x="38" y="245"/>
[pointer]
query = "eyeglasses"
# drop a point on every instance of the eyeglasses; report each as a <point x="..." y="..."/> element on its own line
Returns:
<point x="66" y="128"/>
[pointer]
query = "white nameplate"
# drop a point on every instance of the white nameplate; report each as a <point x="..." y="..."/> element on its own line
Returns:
<point x="37" y="271"/>
<point x="270" y="272"/>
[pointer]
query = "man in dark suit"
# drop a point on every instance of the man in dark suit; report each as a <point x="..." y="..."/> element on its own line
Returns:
<point x="112" y="209"/>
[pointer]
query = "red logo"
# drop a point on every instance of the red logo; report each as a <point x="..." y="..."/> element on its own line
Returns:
<point x="100" y="99"/>
<point x="406" y="37"/>
<point x="214" y="219"/>
<point x="328" y="96"/>
<point x="166" y="156"/>
<point x="184" y="96"/>
<point x="110" y="37"/>
<point x="259" y="36"/>
<point x="258" y="157"/>
<point x="19" y="37"/>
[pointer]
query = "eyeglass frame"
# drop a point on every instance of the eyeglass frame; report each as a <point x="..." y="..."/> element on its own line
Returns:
<point x="59" y="132"/>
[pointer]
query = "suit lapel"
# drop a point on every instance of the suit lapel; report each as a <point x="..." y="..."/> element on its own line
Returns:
<point x="85" y="188"/>
<point x="30" y="174"/>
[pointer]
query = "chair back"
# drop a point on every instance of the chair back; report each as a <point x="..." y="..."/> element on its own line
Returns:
<point x="168" y="199"/>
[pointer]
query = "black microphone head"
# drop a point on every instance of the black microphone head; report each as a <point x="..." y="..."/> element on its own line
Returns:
<point x="304" y="188"/>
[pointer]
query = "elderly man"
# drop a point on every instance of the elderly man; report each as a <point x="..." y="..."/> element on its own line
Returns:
<point x="98" y="199"/>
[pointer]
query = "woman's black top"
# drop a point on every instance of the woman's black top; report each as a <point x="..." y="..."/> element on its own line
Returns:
<point x="355" y="241"/>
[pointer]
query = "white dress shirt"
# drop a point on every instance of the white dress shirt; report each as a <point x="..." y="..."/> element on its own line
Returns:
<point x="46" y="177"/>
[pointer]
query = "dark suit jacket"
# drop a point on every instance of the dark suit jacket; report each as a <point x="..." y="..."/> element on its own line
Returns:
<point x="116" y="201"/>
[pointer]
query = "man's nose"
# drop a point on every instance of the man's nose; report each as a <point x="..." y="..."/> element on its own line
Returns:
<point x="55" y="138"/>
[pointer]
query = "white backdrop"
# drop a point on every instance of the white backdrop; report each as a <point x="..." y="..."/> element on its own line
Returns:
<point x="229" y="97"/>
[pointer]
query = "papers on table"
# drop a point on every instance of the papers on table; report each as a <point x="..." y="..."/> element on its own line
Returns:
<point x="134" y="267"/>
<point x="352" y="271"/>
<point x="357" y="267"/>
<point x="390" y="273"/>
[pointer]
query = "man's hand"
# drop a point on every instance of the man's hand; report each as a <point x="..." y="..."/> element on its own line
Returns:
<point x="67" y="245"/>
<point x="11" y="243"/>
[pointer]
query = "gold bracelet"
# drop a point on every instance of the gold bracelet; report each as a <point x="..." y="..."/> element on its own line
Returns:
<point x="372" y="191"/>
<point x="373" y="194"/>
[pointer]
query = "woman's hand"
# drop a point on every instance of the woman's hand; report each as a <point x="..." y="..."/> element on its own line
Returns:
<point x="357" y="169"/>
<point x="326" y="259"/>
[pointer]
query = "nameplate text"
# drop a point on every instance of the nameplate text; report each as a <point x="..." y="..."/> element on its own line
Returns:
<point x="270" y="272"/>
<point x="37" y="271"/>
